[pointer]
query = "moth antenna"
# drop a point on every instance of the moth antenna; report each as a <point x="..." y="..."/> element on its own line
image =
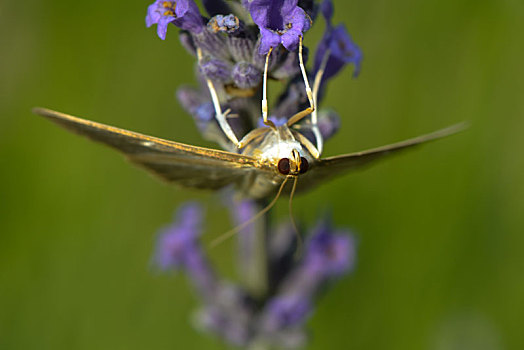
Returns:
<point x="240" y="227"/>
<point x="298" y="252"/>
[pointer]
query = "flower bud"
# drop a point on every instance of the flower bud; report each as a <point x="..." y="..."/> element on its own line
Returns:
<point x="216" y="70"/>
<point x="246" y="76"/>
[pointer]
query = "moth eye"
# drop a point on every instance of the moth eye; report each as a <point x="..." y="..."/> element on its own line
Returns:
<point x="283" y="166"/>
<point x="304" y="165"/>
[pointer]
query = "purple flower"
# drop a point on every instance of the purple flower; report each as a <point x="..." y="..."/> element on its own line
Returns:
<point x="328" y="123"/>
<point x="182" y="13"/>
<point x="285" y="311"/>
<point x="279" y="21"/>
<point x="198" y="104"/>
<point x="215" y="319"/>
<point x="338" y="45"/>
<point x="229" y="314"/>
<point x="176" y="243"/>
<point x="329" y="253"/>
<point x="219" y="23"/>
<point x="246" y="76"/>
<point x="216" y="70"/>
<point x="178" y="248"/>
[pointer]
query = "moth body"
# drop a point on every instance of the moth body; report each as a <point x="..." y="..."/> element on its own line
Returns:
<point x="279" y="149"/>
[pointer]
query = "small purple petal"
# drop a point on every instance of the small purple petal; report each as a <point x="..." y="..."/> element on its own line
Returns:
<point x="290" y="39"/>
<point x="161" y="28"/>
<point x="268" y="39"/>
<point x="182" y="13"/>
<point x="153" y="16"/>
<point x="279" y="21"/>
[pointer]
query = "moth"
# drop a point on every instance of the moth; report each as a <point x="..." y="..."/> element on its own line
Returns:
<point x="267" y="157"/>
<point x="257" y="172"/>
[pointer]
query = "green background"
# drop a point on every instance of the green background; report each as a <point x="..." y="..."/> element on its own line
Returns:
<point x="441" y="229"/>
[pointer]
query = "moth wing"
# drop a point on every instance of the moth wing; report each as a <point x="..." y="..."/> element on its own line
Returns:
<point x="330" y="167"/>
<point x="186" y="165"/>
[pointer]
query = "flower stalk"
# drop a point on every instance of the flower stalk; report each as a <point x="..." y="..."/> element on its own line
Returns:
<point x="252" y="252"/>
<point x="277" y="291"/>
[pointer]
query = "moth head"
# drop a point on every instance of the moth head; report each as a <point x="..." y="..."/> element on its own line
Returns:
<point x="294" y="165"/>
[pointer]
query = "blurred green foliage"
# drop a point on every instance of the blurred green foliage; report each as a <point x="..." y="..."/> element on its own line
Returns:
<point x="440" y="229"/>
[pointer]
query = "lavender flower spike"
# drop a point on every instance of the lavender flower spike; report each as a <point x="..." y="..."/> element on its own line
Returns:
<point x="280" y="22"/>
<point x="182" y="13"/>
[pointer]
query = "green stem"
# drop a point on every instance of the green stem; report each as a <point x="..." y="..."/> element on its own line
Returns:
<point x="253" y="256"/>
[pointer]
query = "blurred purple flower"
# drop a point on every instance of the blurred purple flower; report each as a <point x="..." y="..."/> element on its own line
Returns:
<point x="285" y="312"/>
<point x="228" y="315"/>
<point x="179" y="241"/>
<point x="279" y="21"/>
<point x="182" y="13"/>
<point x="178" y="248"/>
<point x="216" y="70"/>
<point x="337" y="45"/>
<point x="329" y="253"/>
<point x="328" y="123"/>
<point x="246" y="76"/>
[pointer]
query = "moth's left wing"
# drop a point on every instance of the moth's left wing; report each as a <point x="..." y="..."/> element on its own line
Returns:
<point x="186" y="165"/>
<point x="330" y="167"/>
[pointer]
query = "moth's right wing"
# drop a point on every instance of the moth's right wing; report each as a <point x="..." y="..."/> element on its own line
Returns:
<point x="186" y="165"/>
<point x="327" y="168"/>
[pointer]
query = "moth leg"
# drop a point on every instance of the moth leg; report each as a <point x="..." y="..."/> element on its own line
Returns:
<point x="221" y="117"/>
<point x="297" y="117"/>
<point x="316" y="88"/>
<point x="316" y="83"/>
<point x="252" y="135"/>
<point x="264" y="93"/>
<point x="306" y="143"/>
